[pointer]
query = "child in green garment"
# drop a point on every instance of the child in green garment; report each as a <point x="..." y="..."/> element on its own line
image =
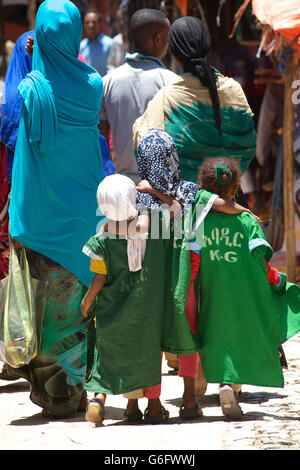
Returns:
<point x="238" y="326"/>
<point x="159" y="167"/>
<point x="158" y="164"/>
<point x="120" y="278"/>
<point x="130" y="280"/>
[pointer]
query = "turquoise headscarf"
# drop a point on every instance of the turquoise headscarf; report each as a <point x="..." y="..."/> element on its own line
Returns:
<point x="57" y="166"/>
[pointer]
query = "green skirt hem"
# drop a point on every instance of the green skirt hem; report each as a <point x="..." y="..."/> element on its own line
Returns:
<point x="97" y="388"/>
<point x="180" y="351"/>
<point x="241" y="381"/>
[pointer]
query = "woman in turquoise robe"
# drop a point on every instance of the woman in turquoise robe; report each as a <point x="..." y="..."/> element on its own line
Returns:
<point x="56" y="172"/>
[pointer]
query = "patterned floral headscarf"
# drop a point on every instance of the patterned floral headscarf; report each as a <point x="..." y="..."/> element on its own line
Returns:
<point x="158" y="163"/>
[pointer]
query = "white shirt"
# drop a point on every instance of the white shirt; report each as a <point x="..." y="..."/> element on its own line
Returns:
<point x="127" y="91"/>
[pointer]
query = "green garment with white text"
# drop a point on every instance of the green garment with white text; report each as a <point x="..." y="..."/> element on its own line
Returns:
<point x="241" y="318"/>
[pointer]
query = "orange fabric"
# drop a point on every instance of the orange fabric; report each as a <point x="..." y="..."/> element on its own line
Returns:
<point x="98" y="266"/>
<point x="183" y="5"/>
<point x="282" y="16"/>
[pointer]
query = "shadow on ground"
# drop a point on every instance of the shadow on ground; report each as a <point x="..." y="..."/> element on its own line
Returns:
<point x="15" y="387"/>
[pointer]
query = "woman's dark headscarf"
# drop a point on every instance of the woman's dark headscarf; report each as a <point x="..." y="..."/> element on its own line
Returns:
<point x="190" y="44"/>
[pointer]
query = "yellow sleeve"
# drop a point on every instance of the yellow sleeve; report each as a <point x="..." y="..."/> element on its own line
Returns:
<point x="98" y="266"/>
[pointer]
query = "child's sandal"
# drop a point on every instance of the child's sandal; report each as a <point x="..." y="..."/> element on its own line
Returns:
<point x="133" y="418"/>
<point x="95" y="411"/>
<point x="157" y="419"/>
<point x="190" y="413"/>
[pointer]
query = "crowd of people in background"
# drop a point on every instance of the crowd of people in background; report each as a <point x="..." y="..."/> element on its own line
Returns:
<point x="101" y="142"/>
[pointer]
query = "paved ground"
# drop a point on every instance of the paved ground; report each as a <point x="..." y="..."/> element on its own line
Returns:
<point x="271" y="420"/>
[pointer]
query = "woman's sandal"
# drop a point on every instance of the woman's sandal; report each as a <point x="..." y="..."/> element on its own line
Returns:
<point x="133" y="418"/>
<point x="5" y="375"/>
<point x="157" y="419"/>
<point x="95" y="411"/>
<point x="190" y="413"/>
<point x="81" y="407"/>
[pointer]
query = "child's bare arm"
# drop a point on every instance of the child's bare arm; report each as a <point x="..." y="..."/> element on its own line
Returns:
<point x="94" y="289"/>
<point x="230" y="207"/>
<point x="145" y="187"/>
<point x="128" y="227"/>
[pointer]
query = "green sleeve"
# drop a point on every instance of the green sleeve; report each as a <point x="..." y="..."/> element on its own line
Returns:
<point x="203" y="196"/>
<point x="280" y="288"/>
<point x="258" y="245"/>
<point x="95" y="248"/>
<point x="195" y="217"/>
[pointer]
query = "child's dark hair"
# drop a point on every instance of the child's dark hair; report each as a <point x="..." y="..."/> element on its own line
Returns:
<point x="218" y="175"/>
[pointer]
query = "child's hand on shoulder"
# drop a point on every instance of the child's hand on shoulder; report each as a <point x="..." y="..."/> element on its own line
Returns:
<point x="144" y="187"/>
<point x="253" y="215"/>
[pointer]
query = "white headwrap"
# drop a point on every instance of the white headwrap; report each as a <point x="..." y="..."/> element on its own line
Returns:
<point x="116" y="196"/>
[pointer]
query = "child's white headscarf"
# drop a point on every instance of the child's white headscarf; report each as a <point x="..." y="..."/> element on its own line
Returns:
<point x="116" y="196"/>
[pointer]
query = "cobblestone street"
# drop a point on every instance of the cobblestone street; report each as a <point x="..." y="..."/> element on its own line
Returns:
<point x="271" y="420"/>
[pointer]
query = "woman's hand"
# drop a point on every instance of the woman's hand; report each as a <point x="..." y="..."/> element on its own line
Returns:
<point x="144" y="187"/>
<point x="29" y="46"/>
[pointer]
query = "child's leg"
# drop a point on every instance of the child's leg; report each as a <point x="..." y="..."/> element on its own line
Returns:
<point x="188" y="369"/>
<point x="155" y="413"/>
<point x="189" y="409"/>
<point x="172" y="360"/>
<point x="154" y="406"/>
<point x="100" y="396"/>
<point x="200" y="382"/>
<point x="188" y="365"/>
<point x="133" y="414"/>
<point x="153" y="395"/>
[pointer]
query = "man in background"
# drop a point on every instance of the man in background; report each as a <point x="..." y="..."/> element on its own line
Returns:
<point x="96" y="46"/>
<point x="128" y="89"/>
<point x="119" y="46"/>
